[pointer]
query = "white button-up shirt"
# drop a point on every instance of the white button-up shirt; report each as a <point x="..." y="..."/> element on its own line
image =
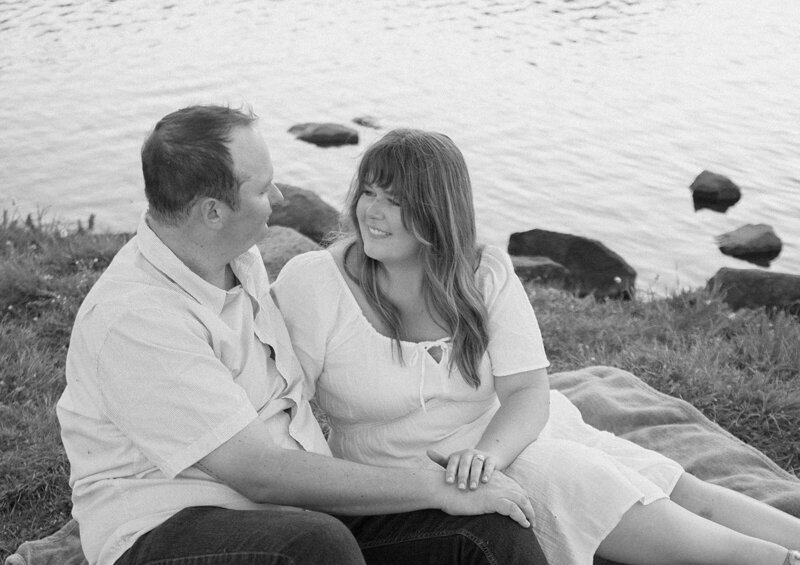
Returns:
<point x="162" y="369"/>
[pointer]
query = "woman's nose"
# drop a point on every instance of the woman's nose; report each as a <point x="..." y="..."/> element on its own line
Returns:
<point x="375" y="208"/>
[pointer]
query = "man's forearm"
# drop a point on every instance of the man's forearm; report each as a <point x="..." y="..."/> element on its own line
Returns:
<point x="318" y="482"/>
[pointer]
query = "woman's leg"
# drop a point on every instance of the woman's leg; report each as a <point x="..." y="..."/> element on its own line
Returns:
<point x="737" y="511"/>
<point x="665" y="533"/>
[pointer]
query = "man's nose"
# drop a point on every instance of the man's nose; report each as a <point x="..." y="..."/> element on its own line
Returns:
<point x="275" y="194"/>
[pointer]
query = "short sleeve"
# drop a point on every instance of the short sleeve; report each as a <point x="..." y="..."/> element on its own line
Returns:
<point x="166" y="391"/>
<point x="515" y="341"/>
<point x="303" y="293"/>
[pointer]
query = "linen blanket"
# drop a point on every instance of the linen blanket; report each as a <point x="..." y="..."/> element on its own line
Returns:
<point x="609" y="399"/>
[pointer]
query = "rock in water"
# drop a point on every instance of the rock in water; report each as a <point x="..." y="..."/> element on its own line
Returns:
<point x="756" y="243"/>
<point x="367" y="122"/>
<point x="325" y="135"/>
<point x="715" y="191"/>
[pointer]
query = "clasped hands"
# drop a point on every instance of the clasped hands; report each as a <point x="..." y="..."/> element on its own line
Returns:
<point x="469" y="468"/>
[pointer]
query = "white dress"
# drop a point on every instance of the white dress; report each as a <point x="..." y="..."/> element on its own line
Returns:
<point x="582" y="480"/>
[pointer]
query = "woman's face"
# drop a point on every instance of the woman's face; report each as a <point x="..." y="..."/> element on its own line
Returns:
<point x="380" y="222"/>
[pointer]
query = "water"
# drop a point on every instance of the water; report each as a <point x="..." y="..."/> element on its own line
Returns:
<point x="589" y="117"/>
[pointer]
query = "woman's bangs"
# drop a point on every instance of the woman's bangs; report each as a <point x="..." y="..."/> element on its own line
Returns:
<point x="377" y="171"/>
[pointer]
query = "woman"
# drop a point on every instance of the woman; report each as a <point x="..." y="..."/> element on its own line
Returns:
<point x="423" y="340"/>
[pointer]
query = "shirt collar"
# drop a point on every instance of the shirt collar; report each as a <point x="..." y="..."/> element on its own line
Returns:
<point x="164" y="260"/>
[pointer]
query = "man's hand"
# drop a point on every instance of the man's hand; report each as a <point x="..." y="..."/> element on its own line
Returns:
<point x="503" y="496"/>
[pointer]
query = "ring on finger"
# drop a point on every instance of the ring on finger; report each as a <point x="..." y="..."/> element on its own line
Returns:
<point x="480" y="457"/>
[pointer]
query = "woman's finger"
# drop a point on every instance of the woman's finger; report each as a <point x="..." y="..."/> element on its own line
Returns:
<point x="488" y="469"/>
<point x="452" y="468"/>
<point x="463" y="470"/>
<point x="478" y="462"/>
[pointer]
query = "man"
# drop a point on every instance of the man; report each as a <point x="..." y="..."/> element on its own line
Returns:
<point x="185" y="419"/>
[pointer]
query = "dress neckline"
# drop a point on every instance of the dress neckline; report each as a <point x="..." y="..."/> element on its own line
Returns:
<point x="354" y="303"/>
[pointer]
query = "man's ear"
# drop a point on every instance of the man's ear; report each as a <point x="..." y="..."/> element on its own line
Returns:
<point x="213" y="213"/>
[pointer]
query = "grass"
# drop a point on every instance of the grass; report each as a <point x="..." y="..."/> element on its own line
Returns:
<point x="741" y="369"/>
<point x="45" y="271"/>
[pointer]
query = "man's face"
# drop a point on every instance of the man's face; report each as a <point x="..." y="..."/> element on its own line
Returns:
<point x="252" y="167"/>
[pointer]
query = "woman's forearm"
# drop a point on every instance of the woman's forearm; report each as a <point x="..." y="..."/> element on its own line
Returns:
<point x="522" y="414"/>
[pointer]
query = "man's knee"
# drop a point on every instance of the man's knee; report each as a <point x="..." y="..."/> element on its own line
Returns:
<point x="502" y="540"/>
<point x="321" y="538"/>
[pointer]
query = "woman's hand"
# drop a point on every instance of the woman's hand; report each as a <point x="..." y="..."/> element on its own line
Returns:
<point x="503" y="496"/>
<point x="469" y="468"/>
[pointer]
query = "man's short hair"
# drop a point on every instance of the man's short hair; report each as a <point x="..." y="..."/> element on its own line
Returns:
<point x="186" y="157"/>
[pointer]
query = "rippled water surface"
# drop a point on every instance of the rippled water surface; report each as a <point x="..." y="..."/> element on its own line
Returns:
<point x="587" y="117"/>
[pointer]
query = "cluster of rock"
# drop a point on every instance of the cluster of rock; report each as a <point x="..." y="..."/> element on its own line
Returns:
<point x="587" y="267"/>
<point x="755" y="243"/>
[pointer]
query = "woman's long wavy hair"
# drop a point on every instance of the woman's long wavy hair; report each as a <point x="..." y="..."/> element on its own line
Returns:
<point x="427" y="174"/>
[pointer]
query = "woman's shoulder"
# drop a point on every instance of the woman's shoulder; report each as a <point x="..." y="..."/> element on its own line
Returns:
<point x="300" y="264"/>
<point x="494" y="272"/>
<point x="494" y="262"/>
<point x="305" y="271"/>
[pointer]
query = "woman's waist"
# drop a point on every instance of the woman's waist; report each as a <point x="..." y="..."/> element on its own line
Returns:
<point x="435" y="414"/>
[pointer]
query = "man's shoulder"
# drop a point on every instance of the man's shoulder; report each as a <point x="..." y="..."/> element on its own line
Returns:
<point x="130" y="285"/>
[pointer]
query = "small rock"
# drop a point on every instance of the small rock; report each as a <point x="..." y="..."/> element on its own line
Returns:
<point x="715" y="191"/>
<point x="540" y="269"/>
<point x="280" y="245"/>
<point x="304" y="211"/>
<point x="325" y="135"/>
<point x="594" y="269"/>
<point x="367" y="122"/>
<point x="755" y="288"/>
<point x="756" y="243"/>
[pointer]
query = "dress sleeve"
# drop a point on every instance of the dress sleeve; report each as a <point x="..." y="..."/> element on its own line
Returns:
<point x="515" y="341"/>
<point x="302" y="292"/>
<point x="163" y="386"/>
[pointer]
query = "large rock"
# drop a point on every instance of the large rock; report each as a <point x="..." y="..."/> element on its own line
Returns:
<point x="754" y="288"/>
<point x="304" y="211"/>
<point x="715" y="191"/>
<point x="280" y="245"/>
<point x="325" y="135"/>
<point x="593" y="268"/>
<point x="756" y="243"/>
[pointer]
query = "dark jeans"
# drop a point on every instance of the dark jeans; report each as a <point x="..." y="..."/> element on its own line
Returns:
<point x="209" y="535"/>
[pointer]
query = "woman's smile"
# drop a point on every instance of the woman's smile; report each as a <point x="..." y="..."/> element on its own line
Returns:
<point x="376" y="232"/>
